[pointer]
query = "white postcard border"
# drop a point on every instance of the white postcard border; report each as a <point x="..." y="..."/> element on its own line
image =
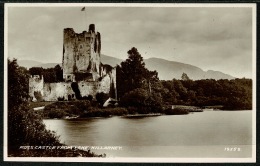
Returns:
<point x="120" y="159"/>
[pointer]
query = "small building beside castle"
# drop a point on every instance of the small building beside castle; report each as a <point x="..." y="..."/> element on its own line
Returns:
<point x="83" y="73"/>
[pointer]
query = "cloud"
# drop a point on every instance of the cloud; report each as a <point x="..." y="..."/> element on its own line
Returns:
<point x="210" y="38"/>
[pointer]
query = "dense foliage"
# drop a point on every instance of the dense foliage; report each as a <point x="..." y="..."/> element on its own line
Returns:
<point x="25" y="127"/>
<point x="67" y="108"/>
<point x="105" y="112"/>
<point x="141" y="101"/>
<point x="137" y="87"/>
<point x="101" y="98"/>
<point x="140" y="90"/>
<point x="231" y="94"/>
<point x="50" y="75"/>
<point x="79" y="108"/>
<point x="132" y="74"/>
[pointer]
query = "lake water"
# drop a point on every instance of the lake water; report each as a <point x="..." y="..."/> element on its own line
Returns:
<point x="204" y="134"/>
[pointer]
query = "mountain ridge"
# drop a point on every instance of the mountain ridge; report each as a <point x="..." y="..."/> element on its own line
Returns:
<point x="167" y="70"/>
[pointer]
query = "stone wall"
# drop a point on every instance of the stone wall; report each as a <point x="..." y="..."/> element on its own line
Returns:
<point x="64" y="90"/>
<point x="35" y="85"/>
<point x="88" y="88"/>
<point x="54" y="91"/>
<point x="104" y="84"/>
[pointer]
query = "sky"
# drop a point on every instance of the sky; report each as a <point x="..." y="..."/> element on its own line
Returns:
<point x="212" y="38"/>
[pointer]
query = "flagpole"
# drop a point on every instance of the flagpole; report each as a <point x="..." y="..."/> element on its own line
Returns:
<point x="85" y="19"/>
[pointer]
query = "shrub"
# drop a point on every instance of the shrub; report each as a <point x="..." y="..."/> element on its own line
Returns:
<point x="60" y="98"/>
<point x="56" y="114"/>
<point x="68" y="108"/>
<point x="101" y="98"/>
<point x="142" y="101"/>
<point x="27" y="129"/>
<point x="135" y="98"/>
<point x="89" y="97"/>
<point x="38" y="96"/>
<point x="75" y="88"/>
<point x="105" y="112"/>
<point x="132" y="110"/>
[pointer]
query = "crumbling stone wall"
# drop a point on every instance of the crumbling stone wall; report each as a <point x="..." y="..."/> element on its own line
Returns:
<point x="88" y="88"/>
<point x="64" y="90"/>
<point x="104" y="84"/>
<point x="56" y="91"/>
<point x="36" y="83"/>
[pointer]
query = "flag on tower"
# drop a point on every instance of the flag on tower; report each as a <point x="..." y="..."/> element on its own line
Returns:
<point x="83" y="9"/>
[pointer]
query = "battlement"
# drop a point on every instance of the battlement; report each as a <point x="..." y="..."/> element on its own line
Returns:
<point x="90" y="33"/>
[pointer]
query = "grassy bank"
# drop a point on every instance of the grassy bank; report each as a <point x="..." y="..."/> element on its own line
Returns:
<point x="85" y="109"/>
<point x="81" y="108"/>
<point x="105" y="112"/>
<point x="181" y="110"/>
<point x="176" y="111"/>
<point x="63" y="109"/>
<point x="33" y="105"/>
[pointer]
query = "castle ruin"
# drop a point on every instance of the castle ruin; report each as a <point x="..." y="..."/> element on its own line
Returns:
<point x="83" y="72"/>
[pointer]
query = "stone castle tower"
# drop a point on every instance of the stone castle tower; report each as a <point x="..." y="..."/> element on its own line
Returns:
<point x="83" y="72"/>
<point x="81" y="55"/>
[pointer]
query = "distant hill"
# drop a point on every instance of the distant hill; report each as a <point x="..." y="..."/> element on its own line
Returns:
<point x="110" y="60"/>
<point x="29" y="63"/>
<point x="218" y="75"/>
<point x="167" y="70"/>
<point x="49" y="65"/>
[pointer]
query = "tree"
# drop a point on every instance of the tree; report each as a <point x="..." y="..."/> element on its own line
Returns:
<point x="143" y="101"/>
<point x="101" y="98"/>
<point x="24" y="126"/>
<point x="59" y="73"/>
<point x="50" y="75"/>
<point x="132" y="74"/>
<point x="36" y="71"/>
<point x="18" y="84"/>
<point x="135" y="98"/>
<point x="231" y="94"/>
<point x="185" y="77"/>
<point x="133" y="69"/>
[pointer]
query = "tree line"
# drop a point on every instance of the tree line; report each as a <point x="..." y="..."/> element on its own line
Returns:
<point x="233" y="94"/>
<point x="50" y="75"/>
<point x="140" y="88"/>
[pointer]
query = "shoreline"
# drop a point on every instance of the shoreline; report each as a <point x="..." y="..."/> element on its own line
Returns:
<point x="72" y="110"/>
<point x="139" y="115"/>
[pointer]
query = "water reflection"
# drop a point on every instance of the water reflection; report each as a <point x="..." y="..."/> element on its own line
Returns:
<point x="212" y="128"/>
